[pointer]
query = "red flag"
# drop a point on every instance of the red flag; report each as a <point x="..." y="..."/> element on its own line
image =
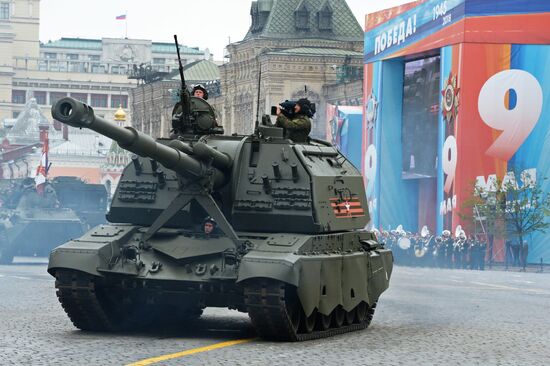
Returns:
<point x="42" y="170"/>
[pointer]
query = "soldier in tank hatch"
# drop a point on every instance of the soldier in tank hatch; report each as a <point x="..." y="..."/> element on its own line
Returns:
<point x="200" y="91"/>
<point x="298" y="126"/>
<point x="210" y="227"/>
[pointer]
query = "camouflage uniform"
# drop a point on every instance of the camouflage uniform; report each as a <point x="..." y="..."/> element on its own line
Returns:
<point x="297" y="129"/>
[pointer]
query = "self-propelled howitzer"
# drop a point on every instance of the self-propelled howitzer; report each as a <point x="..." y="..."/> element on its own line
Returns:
<point x="289" y="248"/>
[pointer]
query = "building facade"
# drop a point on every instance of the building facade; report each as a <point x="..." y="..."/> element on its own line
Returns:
<point x="94" y="71"/>
<point x="293" y="49"/>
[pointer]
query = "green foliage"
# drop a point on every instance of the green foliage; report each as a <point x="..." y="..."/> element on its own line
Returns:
<point x="509" y="208"/>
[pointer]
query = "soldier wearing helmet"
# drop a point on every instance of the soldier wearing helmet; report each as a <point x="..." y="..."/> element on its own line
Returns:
<point x="199" y="91"/>
<point x="298" y="127"/>
<point x="210" y="227"/>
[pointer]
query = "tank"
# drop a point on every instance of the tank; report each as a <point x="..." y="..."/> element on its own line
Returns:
<point x="289" y="248"/>
<point x="32" y="223"/>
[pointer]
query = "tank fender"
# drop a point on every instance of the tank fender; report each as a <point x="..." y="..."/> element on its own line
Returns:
<point x="81" y="256"/>
<point x="325" y="284"/>
<point x="322" y="283"/>
<point x="277" y="269"/>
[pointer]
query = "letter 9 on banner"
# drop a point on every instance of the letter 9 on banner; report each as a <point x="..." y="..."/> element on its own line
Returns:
<point x="450" y="157"/>
<point x="516" y="116"/>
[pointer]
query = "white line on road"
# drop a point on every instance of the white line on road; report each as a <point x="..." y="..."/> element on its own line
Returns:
<point x="21" y="277"/>
<point x="523" y="281"/>
<point x="533" y="290"/>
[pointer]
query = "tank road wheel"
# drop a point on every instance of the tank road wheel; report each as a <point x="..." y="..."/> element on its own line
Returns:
<point x="324" y="321"/>
<point x="308" y="322"/>
<point x="276" y="313"/>
<point x="294" y="313"/>
<point x="338" y="316"/>
<point x="361" y="312"/>
<point x="350" y="316"/>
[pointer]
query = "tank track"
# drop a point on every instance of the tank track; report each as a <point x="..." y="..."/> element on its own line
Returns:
<point x="272" y="304"/>
<point x="77" y="294"/>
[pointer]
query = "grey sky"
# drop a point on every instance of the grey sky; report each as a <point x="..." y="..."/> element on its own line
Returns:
<point x="203" y="23"/>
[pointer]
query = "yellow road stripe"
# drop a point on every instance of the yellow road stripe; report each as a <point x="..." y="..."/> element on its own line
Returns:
<point x="212" y="347"/>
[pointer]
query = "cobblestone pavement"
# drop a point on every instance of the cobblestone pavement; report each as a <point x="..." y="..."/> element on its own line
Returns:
<point x="427" y="317"/>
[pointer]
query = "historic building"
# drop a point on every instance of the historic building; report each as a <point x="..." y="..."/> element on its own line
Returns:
<point x="295" y="49"/>
<point x="94" y="71"/>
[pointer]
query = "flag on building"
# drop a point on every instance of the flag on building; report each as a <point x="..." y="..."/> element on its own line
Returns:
<point x="121" y="17"/>
<point x="42" y="170"/>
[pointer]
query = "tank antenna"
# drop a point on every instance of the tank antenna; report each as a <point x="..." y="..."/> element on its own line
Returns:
<point x="184" y="93"/>
<point x="257" y="123"/>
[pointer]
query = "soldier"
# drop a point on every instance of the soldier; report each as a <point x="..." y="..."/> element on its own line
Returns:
<point x="299" y="126"/>
<point x="210" y="227"/>
<point x="482" y="250"/>
<point x="200" y="91"/>
<point x="447" y="246"/>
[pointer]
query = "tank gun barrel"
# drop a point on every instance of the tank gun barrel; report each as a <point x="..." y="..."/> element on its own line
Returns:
<point x="209" y="162"/>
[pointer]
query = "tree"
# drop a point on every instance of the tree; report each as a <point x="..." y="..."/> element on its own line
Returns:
<point x="510" y="208"/>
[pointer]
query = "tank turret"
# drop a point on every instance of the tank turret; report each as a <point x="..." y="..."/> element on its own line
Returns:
<point x="80" y="115"/>
<point x="289" y="247"/>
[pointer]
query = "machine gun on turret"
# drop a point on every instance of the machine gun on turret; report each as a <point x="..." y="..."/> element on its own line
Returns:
<point x="191" y="115"/>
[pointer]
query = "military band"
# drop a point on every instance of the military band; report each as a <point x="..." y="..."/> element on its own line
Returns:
<point x="444" y="251"/>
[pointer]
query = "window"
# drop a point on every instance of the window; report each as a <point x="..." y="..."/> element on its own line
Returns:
<point x="18" y="96"/>
<point x="159" y="61"/>
<point x="301" y="17"/>
<point x="56" y="96"/>
<point x="40" y="97"/>
<point x="50" y="55"/>
<point x="15" y="114"/>
<point x="324" y="18"/>
<point x="72" y="56"/>
<point x="76" y="67"/>
<point x="94" y="57"/>
<point x="99" y="100"/>
<point x="119" y="100"/>
<point x="81" y="97"/>
<point x="4" y="10"/>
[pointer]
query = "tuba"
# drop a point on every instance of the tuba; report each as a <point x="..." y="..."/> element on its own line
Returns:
<point x="421" y="250"/>
<point x="460" y="238"/>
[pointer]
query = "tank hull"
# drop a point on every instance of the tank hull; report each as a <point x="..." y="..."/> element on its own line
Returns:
<point x="294" y="286"/>
<point x="37" y="235"/>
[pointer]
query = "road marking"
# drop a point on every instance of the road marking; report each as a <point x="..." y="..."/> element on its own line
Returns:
<point x="21" y="278"/>
<point x="534" y="290"/>
<point x="522" y="281"/>
<point x="193" y="351"/>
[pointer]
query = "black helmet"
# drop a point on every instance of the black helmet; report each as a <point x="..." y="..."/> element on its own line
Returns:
<point x="306" y="107"/>
<point x="200" y="87"/>
<point x="210" y="220"/>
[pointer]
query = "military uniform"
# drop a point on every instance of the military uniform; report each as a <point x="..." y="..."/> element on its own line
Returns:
<point x="297" y="128"/>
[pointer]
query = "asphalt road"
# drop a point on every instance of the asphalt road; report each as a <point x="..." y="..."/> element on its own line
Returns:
<point x="427" y="317"/>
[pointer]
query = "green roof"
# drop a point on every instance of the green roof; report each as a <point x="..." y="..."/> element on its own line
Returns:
<point x="200" y="71"/>
<point x="74" y="43"/>
<point x="317" y="52"/>
<point x="160" y="47"/>
<point x="281" y="24"/>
